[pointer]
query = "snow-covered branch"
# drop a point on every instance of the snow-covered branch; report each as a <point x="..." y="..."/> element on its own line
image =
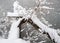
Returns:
<point x="52" y="32"/>
<point x="14" y="30"/>
<point x="26" y="14"/>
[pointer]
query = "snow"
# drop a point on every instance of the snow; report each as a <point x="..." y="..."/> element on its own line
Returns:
<point x="13" y="41"/>
<point x="52" y="32"/>
<point x="12" y="14"/>
<point x="45" y="7"/>
<point x="18" y="11"/>
<point x="14" y="34"/>
<point x="42" y="41"/>
<point x="14" y="30"/>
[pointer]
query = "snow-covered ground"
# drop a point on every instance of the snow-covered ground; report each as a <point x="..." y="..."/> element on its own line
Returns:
<point x="13" y="36"/>
<point x="13" y="41"/>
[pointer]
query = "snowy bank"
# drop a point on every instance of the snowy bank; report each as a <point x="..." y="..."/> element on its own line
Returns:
<point x="13" y="41"/>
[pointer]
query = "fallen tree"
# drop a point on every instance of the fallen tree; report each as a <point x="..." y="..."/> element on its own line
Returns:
<point x="52" y="32"/>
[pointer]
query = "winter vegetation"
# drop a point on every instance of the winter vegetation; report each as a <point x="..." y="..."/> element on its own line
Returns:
<point x="14" y="19"/>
